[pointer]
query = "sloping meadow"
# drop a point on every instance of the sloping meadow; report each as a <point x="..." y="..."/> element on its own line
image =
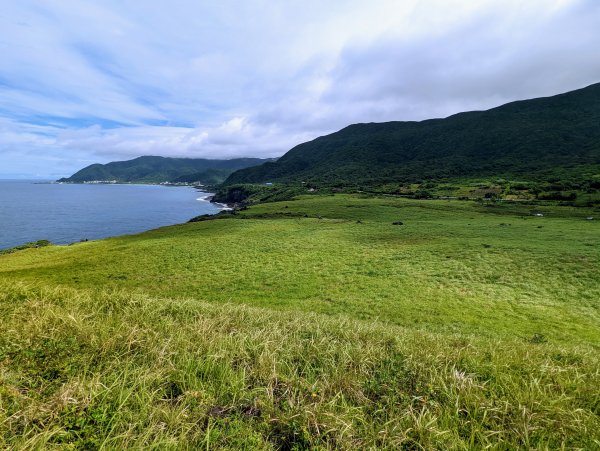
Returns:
<point x="330" y="322"/>
<point x="119" y="370"/>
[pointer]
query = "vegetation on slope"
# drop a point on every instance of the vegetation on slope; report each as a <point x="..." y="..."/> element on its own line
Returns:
<point x="120" y="370"/>
<point x="32" y="244"/>
<point x="149" y="169"/>
<point x="451" y="266"/>
<point x="211" y="177"/>
<point x="335" y="321"/>
<point x="549" y="139"/>
<point x="563" y="192"/>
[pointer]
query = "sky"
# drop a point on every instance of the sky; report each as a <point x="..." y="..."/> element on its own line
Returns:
<point x="90" y="81"/>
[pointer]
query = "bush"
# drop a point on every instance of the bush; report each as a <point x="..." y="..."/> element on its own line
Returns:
<point x="558" y="195"/>
<point x="423" y="194"/>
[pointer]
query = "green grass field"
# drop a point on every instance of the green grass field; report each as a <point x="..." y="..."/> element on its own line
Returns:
<point x="314" y="323"/>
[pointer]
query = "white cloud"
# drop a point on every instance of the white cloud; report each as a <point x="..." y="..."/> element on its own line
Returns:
<point x="109" y="80"/>
<point x="235" y="138"/>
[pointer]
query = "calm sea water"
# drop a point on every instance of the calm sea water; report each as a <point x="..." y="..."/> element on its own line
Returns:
<point x="67" y="213"/>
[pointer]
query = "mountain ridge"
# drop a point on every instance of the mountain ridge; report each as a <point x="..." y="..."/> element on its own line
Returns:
<point x="157" y="169"/>
<point x="534" y="138"/>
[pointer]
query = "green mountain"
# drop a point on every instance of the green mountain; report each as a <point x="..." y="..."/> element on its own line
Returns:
<point x="150" y="169"/>
<point x="544" y="138"/>
<point x="208" y="177"/>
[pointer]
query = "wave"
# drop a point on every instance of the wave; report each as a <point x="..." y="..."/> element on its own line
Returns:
<point x="206" y="197"/>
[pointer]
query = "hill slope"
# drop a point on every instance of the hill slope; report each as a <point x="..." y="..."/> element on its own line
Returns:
<point x="151" y="169"/>
<point x="310" y="324"/>
<point x="538" y="138"/>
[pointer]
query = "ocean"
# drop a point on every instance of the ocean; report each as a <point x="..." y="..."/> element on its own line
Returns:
<point x="65" y="213"/>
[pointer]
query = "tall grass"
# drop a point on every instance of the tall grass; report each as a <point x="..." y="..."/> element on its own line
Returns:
<point x="115" y="370"/>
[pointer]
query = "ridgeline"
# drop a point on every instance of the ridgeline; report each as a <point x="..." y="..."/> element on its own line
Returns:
<point x="544" y="139"/>
<point x="151" y="169"/>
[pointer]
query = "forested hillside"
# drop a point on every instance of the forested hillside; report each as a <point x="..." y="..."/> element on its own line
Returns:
<point x="540" y="139"/>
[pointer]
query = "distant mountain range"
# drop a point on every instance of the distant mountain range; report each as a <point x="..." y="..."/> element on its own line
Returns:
<point x="544" y="138"/>
<point x="150" y="169"/>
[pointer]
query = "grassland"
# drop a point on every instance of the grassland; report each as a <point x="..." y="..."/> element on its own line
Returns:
<point x="314" y="323"/>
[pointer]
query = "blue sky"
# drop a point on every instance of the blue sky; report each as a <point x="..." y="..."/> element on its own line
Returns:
<point x="97" y="81"/>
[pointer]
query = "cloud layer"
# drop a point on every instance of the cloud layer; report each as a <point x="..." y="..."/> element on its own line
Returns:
<point x="82" y="82"/>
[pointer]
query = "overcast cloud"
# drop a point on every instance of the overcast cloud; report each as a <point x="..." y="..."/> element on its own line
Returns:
<point x="96" y="81"/>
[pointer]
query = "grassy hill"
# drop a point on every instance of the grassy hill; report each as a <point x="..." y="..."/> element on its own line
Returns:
<point x="339" y="321"/>
<point x="150" y="169"/>
<point x="548" y="139"/>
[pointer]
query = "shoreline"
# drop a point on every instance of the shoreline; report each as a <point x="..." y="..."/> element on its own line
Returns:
<point x="209" y="198"/>
<point x="203" y="196"/>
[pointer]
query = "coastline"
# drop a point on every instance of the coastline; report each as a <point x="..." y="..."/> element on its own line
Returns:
<point x="206" y="197"/>
<point x="209" y="198"/>
<point x="75" y="223"/>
